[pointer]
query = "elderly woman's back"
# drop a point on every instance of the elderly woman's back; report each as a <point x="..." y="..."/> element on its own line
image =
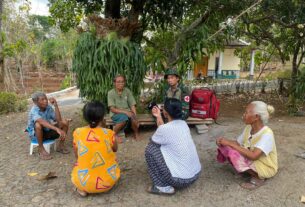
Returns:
<point x="178" y="149"/>
<point x="171" y="155"/>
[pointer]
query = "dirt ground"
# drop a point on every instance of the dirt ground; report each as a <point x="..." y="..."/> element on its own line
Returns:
<point x="217" y="186"/>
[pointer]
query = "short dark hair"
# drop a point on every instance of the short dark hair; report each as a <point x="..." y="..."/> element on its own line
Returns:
<point x="119" y="75"/>
<point x="93" y="113"/>
<point x="173" y="107"/>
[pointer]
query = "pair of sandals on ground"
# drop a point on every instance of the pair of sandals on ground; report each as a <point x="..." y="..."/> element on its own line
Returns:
<point x="252" y="184"/>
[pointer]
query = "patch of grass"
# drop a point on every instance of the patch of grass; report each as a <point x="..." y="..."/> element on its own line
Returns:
<point x="284" y="74"/>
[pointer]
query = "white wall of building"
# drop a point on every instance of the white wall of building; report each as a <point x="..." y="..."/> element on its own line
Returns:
<point x="230" y="61"/>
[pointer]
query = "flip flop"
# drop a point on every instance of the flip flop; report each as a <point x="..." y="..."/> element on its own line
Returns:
<point x="45" y="156"/>
<point x="253" y="184"/>
<point x="154" y="190"/>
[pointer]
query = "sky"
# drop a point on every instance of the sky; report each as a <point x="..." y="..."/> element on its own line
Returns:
<point x="39" y="7"/>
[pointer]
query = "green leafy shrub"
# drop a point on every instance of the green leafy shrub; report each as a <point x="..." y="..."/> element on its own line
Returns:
<point x="97" y="61"/>
<point x="297" y="98"/>
<point x="10" y="102"/>
<point x="66" y="83"/>
<point x="299" y="89"/>
<point x="52" y="50"/>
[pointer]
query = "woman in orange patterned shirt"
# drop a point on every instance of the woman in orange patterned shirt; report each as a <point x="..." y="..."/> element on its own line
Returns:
<point x="96" y="169"/>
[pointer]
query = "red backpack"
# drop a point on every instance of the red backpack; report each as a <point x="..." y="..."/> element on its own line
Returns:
<point x="204" y="104"/>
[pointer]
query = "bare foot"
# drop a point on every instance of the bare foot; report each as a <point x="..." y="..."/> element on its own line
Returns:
<point x="119" y="139"/>
<point x="61" y="148"/>
<point x="44" y="155"/>
<point x="81" y="193"/>
<point x="137" y="137"/>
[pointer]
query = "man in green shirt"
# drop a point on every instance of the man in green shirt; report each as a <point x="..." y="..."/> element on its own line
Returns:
<point x="122" y="106"/>
<point x="174" y="89"/>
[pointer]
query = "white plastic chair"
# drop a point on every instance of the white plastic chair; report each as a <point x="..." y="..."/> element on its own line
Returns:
<point x="47" y="145"/>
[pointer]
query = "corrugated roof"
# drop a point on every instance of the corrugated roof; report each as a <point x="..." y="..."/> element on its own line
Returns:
<point x="237" y="43"/>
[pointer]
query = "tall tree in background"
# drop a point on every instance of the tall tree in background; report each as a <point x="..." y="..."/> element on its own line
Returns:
<point x="30" y="43"/>
<point x="1" y="46"/>
<point x="283" y="28"/>
<point x="189" y="22"/>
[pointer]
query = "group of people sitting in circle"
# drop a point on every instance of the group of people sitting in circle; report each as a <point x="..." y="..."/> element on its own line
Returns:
<point x="171" y="156"/>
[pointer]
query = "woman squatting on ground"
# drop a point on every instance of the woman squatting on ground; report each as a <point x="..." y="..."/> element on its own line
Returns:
<point x="254" y="151"/>
<point x="171" y="155"/>
<point x="96" y="169"/>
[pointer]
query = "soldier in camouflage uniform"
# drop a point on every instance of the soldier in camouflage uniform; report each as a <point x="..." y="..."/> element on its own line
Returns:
<point x="174" y="89"/>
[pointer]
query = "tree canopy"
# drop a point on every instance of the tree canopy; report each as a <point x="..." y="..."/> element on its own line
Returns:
<point x="187" y="25"/>
<point x="190" y="22"/>
<point x="175" y="33"/>
<point x="280" y="24"/>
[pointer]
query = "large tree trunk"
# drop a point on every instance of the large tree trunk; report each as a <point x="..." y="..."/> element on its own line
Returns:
<point x="133" y="16"/>
<point x="294" y="74"/>
<point x="112" y="9"/>
<point x="136" y="10"/>
<point x="1" y="54"/>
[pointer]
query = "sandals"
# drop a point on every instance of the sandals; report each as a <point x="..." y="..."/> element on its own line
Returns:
<point x="168" y="190"/>
<point x="253" y="184"/>
<point x="45" y="156"/>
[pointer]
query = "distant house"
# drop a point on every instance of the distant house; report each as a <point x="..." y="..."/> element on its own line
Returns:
<point x="223" y="64"/>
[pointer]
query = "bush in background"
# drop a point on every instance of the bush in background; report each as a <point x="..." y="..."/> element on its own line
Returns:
<point x="66" y="83"/>
<point x="10" y="102"/>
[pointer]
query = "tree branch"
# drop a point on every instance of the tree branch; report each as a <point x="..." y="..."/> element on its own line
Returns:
<point x="267" y="36"/>
<point x="184" y="33"/>
<point x="254" y="21"/>
<point x="275" y="20"/>
<point x="198" y="22"/>
<point x="301" y="59"/>
<point x="272" y="19"/>
<point x="176" y="23"/>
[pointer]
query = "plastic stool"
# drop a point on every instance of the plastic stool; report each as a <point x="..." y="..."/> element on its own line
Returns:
<point x="46" y="144"/>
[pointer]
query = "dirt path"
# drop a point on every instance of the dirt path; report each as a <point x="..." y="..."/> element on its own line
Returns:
<point x="217" y="185"/>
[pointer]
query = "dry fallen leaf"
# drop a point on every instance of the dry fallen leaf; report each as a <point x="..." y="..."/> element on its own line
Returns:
<point x="49" y="176"/>
<point x="32" y="174"/>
